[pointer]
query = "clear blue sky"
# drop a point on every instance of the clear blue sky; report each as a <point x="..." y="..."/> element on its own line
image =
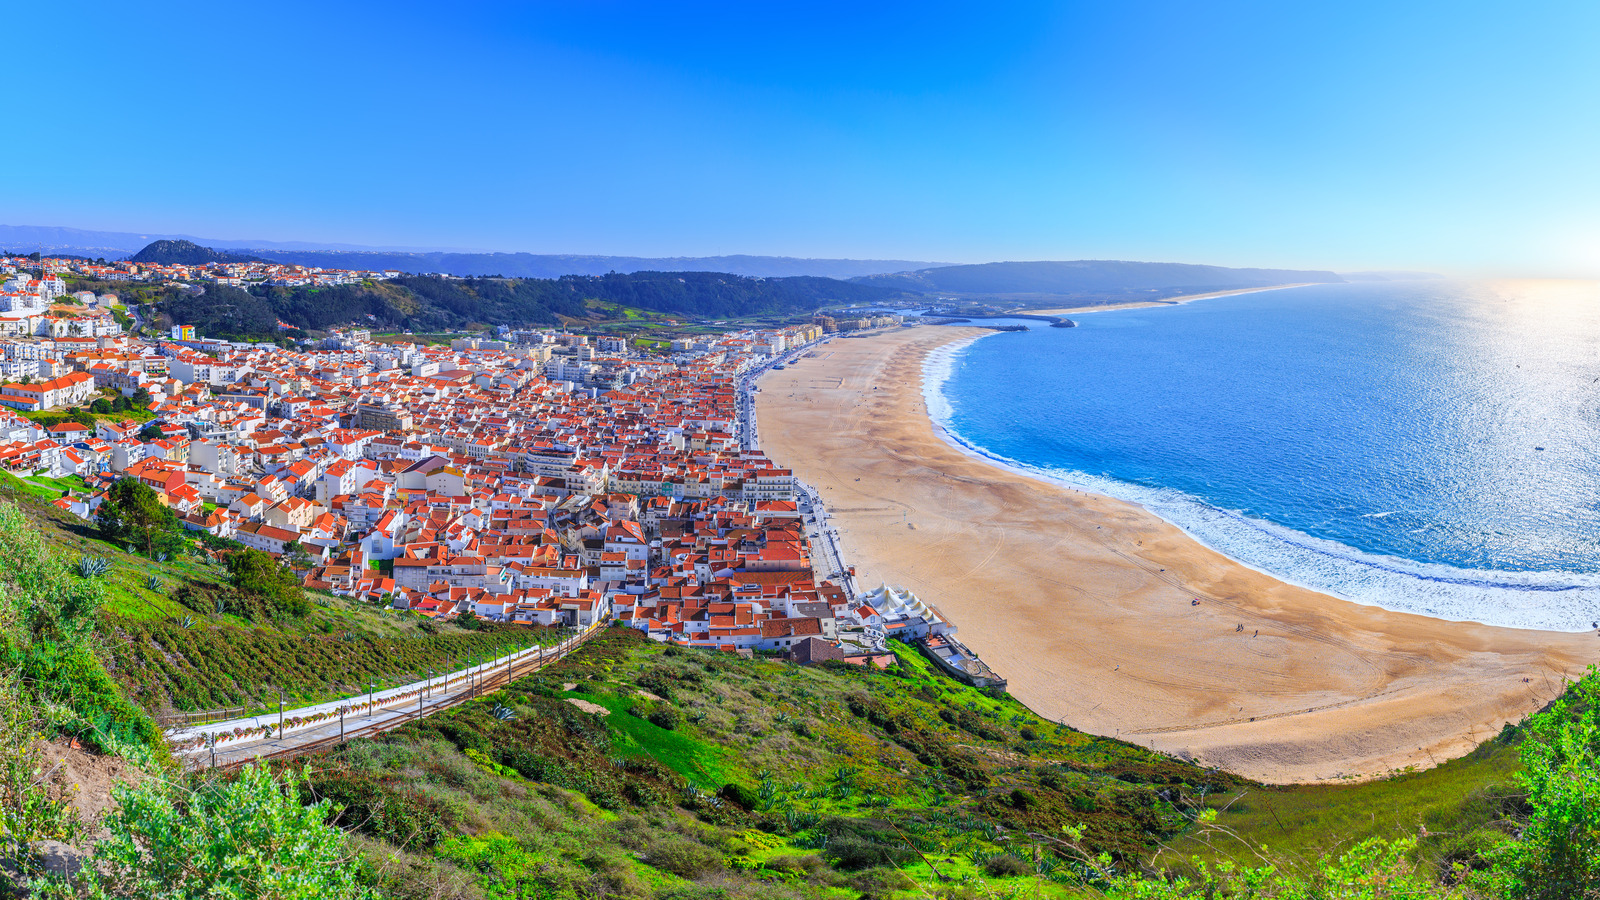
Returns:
<point x="1453" y="135"/>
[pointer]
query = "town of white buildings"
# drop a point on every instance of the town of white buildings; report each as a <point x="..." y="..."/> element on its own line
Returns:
<point x="543" y="477"/>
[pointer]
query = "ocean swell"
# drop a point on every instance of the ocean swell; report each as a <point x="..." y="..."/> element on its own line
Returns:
<point x="1553" y="601"/>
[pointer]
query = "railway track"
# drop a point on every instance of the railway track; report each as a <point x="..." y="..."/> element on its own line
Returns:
<point x="313" y="740"/>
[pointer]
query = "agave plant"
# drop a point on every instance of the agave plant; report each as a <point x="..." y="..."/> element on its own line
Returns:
<point x="93" y="566"/>
<point x="161" y="557"/>
<point x="503" y="713"/>
<point x="767" y="795"/>
<point x="188" y="621"/>
<point x="153" y="584"/>
<point x="795" y="821"/>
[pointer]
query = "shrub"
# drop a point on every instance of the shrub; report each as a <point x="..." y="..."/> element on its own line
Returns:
<point x="881" y="883"/>
<point x="667" y="717"/>
<point x="1006" y="865"/>
<point x="259" y="577"/>
<point x="738" y="795"/>
<point x="855" y="844"/>
<point x="810" y="866"/>
<point x="47" y="638"/>
<point x="406" y="819"/>
<point x="683" y="857"/>
<point x="246" y="838"/>
<point x="1557" y="856"/>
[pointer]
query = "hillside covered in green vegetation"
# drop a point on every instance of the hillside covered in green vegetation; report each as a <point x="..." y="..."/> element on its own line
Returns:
<point x="430" y="303"/>
<point x="632" y="769"/>
<point x="637" y="770"/>
<point x="178" y="634"/>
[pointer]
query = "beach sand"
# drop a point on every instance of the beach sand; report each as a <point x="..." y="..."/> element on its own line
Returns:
<point x="1169" y="301"/>
<point x="1084" y="602"/>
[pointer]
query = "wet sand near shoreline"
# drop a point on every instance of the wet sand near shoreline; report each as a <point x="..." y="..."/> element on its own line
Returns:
<point x="1085" y="603"/>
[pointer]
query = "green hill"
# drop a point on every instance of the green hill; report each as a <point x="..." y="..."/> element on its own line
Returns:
<point x="186" y="253"/>
<point x="642" y="770"/>
<point x="639" y="770"/>
<point x="424" y="303"/>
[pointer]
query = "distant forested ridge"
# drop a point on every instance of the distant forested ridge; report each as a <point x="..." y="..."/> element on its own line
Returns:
<point x="547" y="265"/>
<point x="1091" y="277"/>
<point x="432" y="303"/>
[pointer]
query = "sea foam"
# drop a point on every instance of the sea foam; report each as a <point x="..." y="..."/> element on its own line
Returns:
<point x="1553" y="601"/>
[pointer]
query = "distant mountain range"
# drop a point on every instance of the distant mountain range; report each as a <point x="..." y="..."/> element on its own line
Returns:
<point x="541" y="265"/>
<point x="1086" y="279"/>
<point x="118" y="244"/>
<point x="1044" y="282"/>
<point x="465" y="263"/>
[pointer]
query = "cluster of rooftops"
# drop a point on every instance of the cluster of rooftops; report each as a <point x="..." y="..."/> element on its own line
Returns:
<point x="449" y="481"/>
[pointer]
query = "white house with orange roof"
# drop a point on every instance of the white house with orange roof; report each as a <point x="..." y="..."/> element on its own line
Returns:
<point x="265" y="537"/>
<point x="68" y="390"/>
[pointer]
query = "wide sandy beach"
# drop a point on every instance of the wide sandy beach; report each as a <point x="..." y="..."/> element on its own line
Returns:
<point x="1085" y="603"/>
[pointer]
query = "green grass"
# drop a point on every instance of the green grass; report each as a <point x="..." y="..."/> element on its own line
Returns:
<point x="630" y="314"/>
<point x="58" y="485"/>
<point x="436" y="338"/>
<point x="1303" y="822"/>
<point x="30" y="487"/>
<point x="48" y="417"/>
<point x="696" y="760"/>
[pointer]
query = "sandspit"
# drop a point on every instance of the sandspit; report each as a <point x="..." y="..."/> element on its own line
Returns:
<point x="1168" y="301"/>
<point x="1087" y="604"/>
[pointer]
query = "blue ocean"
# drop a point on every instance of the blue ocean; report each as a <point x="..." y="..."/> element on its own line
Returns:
<point x="1425" y="446"/>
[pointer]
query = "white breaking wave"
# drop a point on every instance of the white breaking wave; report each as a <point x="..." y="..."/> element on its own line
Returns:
<point x="1552" y="601"/>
